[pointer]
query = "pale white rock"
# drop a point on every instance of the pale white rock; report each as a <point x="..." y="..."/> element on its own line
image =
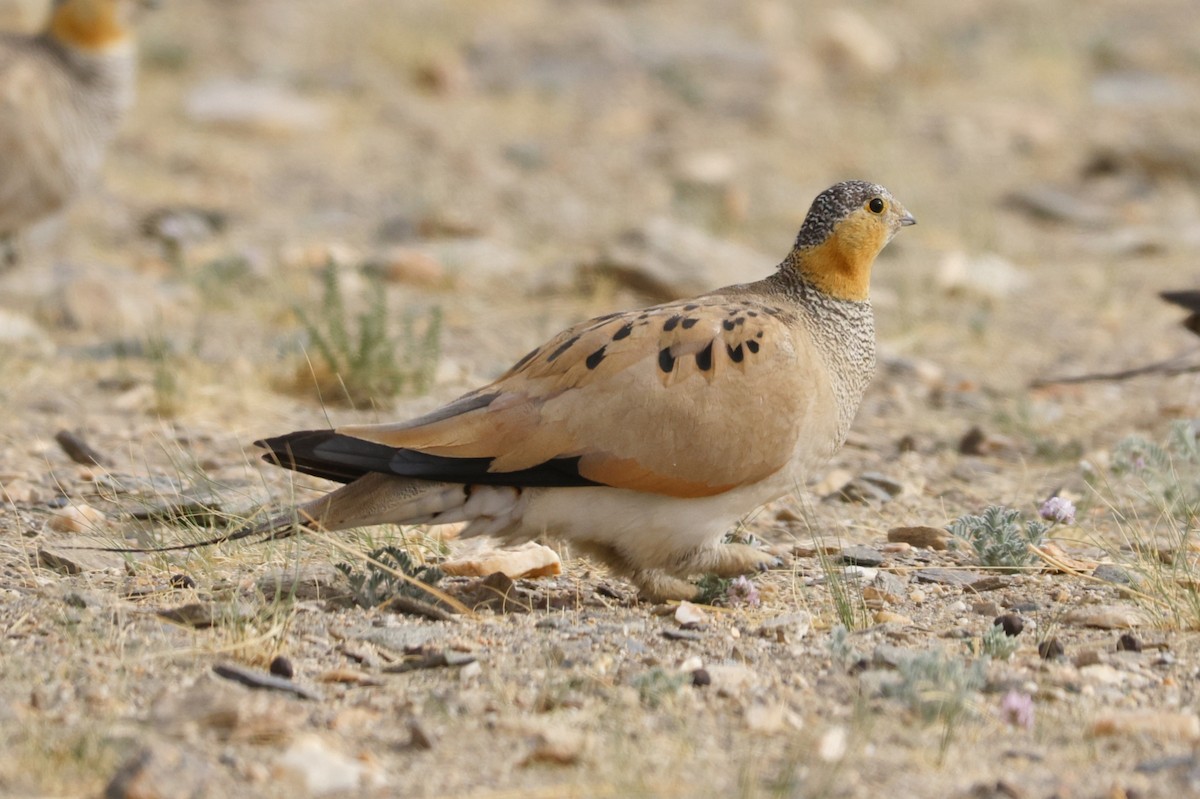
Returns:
<point x="19" y="492"/>
<point x="524" y="562"/>
<point x="731" y="679"/>
<point x="689" y="615"/>
<point x="789" y="627"/>
<point x="255" y="107"/>
<point x="77" y="518"/>
<point x="708" y="167"/>
<point x="849" y="41"/>
<point x="1175" y="727"/>
<point x="1107" y="617"/>
<point x="17" y="328"/>
<point x="765" y="719"/>
<point x="987" y="275"/>
<point x="667" y="259"/>
<point x="318" y="769"/>
<point x="833" y="744"/>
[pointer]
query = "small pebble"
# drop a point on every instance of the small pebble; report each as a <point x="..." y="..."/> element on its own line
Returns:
<point x="920" y="536"/>
<point x="888" y="617"/>
<point x="282" y="667"/>
<point x="701" y="678"/>
<point x="861" y="556"/>
<point x="76" y="519"/>
<point x="689" y="616"/>
<point x="1012" y="624"/>
<point x="1051" y="649"/>
<point x="1128" y="642"/>
<point x="181" y="581"/>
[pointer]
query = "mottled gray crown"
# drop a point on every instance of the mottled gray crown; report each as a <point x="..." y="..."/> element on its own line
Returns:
<point x="832" y="206"/>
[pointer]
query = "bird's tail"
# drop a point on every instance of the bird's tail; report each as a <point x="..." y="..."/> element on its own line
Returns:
<point x="378" y="499"/>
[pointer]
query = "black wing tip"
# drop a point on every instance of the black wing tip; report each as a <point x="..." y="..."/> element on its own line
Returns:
<point x="342" y="458"/>
<point x="1185" y="298"/>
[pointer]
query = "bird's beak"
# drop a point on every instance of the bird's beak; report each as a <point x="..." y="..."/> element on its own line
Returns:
<point x="907" y="220"/>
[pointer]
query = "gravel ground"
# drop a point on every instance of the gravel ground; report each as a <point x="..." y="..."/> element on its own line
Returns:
<point x="508" y="169"/>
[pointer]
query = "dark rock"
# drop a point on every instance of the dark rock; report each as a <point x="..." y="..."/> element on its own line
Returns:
<point x="946" y="576"/>
<point x="1128" y="642"/>
<point x="1011" y="623"/>
<point x="257" y="679"/>
<point x="282" y="667"/>
<point x="1051" y="649"/>
<point x="920" y="536"/>
<point x="861" y="556"/>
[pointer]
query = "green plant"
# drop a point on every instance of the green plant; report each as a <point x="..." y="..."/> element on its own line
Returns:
<point x="938" y="688"/>
<point x="374" y="585"/>
<point x="655" y="685"/>
<point x="998" y="644"/>
<point x="1169" y="473"/>
<point x="1154" y="499"/>
<point x="999" y="539"/>
<point x="368" y="363"/>
<point x="840" y="649"/>
<point x="844" y="591"/>
<point x="166" y="384"/>
<point x="712" y="589"/>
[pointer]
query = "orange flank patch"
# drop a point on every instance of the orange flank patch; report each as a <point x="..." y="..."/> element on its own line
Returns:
<point x="89" y="24"/>
<point x="628" y="473"/>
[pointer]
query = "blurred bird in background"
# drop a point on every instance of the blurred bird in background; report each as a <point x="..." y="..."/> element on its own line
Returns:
<point x="63" y="92"/>
<point x="1189" y="300"/>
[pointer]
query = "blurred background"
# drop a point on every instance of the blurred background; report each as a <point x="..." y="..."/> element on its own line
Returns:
<point x="492" y="172"/>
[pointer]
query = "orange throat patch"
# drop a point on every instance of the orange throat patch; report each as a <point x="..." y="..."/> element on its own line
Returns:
<point x="90" y="25"/>
<point x="841" y="265"/>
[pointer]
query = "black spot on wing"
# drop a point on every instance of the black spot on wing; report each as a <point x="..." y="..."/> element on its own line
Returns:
<point x="735" y="353"/>
<point x="529" y="356"/>
<point x="672" y="323"/>
<point x="690" y="322"/>
<point x="752" y="345"/>
<point x="666" y="361"/>
<point x="691" y="306"/>
<point x="623" y="331"/>
<point x="704" y="358"/>
<point x="595" y="358"/>
<point x="728" y="324"/>
<point x="566" y="345"/>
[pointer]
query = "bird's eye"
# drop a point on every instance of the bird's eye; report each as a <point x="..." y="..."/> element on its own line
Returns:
<point x="876" y="205"/>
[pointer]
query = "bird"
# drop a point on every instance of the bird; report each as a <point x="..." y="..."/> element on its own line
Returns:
<point x="640" y="437"/>
<point x="1189" y="300"/>
<point x="63" y="92"/>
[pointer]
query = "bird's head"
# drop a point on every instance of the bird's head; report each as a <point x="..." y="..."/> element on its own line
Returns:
<point x="94" y="25"/>
<point x="846" y="227"/>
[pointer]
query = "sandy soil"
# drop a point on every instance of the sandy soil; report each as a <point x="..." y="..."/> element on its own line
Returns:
<point x="497" y="161"/>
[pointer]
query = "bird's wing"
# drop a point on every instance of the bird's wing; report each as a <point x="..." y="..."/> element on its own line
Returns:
<point x="686" y="399"/>
<point x="33" y="179"/>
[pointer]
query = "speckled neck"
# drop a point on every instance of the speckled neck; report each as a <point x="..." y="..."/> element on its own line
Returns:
<point x="842" y="330"/>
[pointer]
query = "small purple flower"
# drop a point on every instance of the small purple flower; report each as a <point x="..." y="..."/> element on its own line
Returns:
<point x="1016" y="709"/>
<point x="1058" y="510"/>
<point x="742" y="592"/>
